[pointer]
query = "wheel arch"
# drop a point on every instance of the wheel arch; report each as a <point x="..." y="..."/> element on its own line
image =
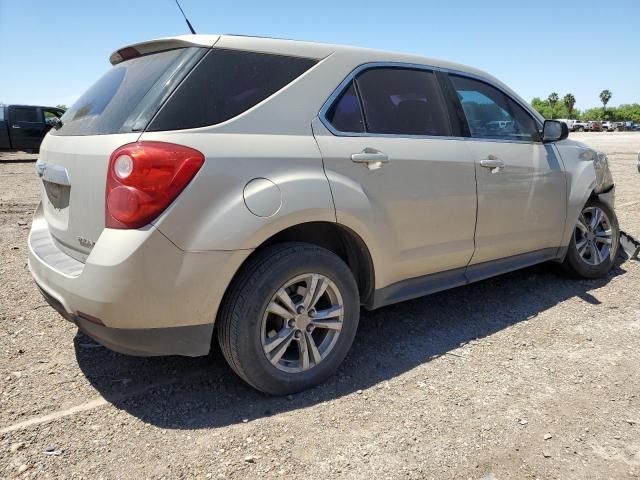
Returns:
<point x="337" y="238"/>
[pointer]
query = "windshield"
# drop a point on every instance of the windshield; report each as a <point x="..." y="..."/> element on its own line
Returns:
<point x="127" y="96"/>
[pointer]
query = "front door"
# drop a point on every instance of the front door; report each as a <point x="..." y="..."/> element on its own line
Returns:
<point x="396" y="174"/>
<point x="521" y="183"/>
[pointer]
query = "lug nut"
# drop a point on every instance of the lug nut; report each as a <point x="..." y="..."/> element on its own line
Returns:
<point x="312" y="312"/>
<point x="291" y="323"/>
<point x="301" y="309"/>
<point x="309" y="328"/>
<point x="298" y="334"/>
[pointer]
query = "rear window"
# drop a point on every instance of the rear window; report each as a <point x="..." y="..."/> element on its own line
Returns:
<point x="127" y="96"/>
<point x="225" y="84"/>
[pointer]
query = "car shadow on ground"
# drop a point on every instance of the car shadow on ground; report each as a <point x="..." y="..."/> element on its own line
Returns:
<point x="191" y="393"/>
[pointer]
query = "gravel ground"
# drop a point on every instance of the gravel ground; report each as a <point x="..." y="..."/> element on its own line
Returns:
<point x="528" y="375"/>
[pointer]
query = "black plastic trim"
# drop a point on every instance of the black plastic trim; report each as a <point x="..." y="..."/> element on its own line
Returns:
<point x="436" y="282"/>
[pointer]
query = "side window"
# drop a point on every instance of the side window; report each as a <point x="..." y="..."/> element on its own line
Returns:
<point x="345" y="114"/>
<point x="225" y="84"/>
<point x="403" y="102"/>
<point x="491" y="114"/>
<point x="25" y="114"/>
<point x="49" y="115"/>
<point x="1" y="113"/>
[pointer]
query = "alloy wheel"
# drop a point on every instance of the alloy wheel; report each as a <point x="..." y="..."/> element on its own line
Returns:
<point x="302" y="323"/>
<point x="594" y="236"/>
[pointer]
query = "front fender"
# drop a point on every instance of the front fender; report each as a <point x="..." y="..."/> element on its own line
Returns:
<point x="581" y="181"/>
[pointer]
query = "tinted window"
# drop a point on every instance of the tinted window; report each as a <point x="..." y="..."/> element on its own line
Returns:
<point x="125" y="94"/>
<point x="345" y="114"/>
<point x="403" y="102"/>
<point x="491" y="114"/>
<point x="1" y="113"/>
<point x="25" y="115"/>
<point x="225" y="84"/>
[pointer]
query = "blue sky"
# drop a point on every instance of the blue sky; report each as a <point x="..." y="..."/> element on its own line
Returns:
<point x="51" y="51"/>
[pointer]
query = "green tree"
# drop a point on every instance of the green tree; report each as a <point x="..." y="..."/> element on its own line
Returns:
<point x="62" y="107"/>
<point x="605" y="96"/>
<point x="569" y="103"/>
<point x="553" y="101"/>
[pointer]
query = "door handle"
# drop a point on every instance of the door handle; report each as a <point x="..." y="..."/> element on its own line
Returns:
<point x="16" y="126"/>
<point x="493" y="163"/>
<point x="373" y="159"/>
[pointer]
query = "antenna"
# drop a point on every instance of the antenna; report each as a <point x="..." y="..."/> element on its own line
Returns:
<point x="185" y="18"/>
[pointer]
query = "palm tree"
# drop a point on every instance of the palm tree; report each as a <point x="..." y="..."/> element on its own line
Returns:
<point x="605" y="96"/>
<point x="569" y="102"/>
<point x="553" y="100"/>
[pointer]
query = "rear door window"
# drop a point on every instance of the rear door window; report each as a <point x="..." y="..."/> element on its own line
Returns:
<point x="491" y="114"/>
<point x="25" y="114"/>
<point x="225" y="84"/>
<point x="127" y="96"/>
<point x="402" y="101"/>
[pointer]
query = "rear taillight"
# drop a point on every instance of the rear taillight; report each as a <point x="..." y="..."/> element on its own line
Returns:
<point x="144" y="178"/>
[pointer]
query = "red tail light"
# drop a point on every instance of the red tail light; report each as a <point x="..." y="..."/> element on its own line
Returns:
<point x="144" y="178"/>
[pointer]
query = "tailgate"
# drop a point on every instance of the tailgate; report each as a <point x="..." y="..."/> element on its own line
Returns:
<point x="73" y="172"/>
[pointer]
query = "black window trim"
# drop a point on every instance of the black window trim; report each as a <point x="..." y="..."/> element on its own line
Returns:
<point x="442" y="75"/>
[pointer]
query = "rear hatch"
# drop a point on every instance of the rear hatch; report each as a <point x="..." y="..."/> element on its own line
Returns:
<point x="74" y="159"/>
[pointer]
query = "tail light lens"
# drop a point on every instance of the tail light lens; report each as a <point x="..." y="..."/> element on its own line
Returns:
<point x="144" y="178"/>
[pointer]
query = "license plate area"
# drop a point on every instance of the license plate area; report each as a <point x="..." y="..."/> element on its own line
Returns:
<point x="57" y="195"/>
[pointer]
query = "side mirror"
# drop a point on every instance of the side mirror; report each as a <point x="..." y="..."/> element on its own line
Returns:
<point x="554" y="131"/>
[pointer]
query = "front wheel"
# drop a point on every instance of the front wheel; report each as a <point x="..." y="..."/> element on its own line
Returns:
<point x="289" y="318"/>
<point x="595" y="240"/>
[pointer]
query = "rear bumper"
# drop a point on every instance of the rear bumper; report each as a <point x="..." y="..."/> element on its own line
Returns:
<point x="190" y="341"/>
<point x="151" y="297"/>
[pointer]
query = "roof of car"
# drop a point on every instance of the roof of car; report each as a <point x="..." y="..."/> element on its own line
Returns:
<point x="290" y="47"/>
<point x="354" y="55"/>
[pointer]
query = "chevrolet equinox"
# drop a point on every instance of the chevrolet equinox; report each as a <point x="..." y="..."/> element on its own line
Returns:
<point x="260" y="191"/>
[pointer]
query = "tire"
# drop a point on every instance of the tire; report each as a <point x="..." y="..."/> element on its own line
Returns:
<point x="582" y="260"/>
<point x="256" y="315"/>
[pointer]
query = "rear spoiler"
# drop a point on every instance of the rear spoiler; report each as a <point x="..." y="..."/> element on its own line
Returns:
<point x="144" y="48"/>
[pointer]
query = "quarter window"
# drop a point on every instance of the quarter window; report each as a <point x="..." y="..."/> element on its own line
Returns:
<point x="402" y="102"/>
<point x="345" y="114"/>
<point x="491" y="114"/>
<point x="225" y="84"/>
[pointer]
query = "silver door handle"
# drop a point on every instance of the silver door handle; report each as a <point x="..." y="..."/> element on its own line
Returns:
<point x="16" y="126"/>
<point x="492" y="163"/>
<point x="372" y="158"/>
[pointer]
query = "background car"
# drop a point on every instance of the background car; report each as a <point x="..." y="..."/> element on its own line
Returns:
<point x="594" y="126"/>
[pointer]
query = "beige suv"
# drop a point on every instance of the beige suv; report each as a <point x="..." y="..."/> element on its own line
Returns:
<point x="263" y="191"/>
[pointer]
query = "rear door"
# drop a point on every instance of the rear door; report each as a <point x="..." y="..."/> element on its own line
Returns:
<point x="396" y="171"/>
<point x="27" y="127"/>
<point x="521" y="183"/>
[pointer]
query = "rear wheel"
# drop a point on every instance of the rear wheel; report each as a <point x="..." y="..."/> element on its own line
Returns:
<point x="289" y="318"/>
<point x="595" y="240"/>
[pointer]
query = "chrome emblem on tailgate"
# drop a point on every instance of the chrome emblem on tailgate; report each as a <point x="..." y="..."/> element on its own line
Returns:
<point x="85" y="242"/>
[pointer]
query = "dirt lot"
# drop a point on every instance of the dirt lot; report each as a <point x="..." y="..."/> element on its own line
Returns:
<point x="529" y="375"/>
